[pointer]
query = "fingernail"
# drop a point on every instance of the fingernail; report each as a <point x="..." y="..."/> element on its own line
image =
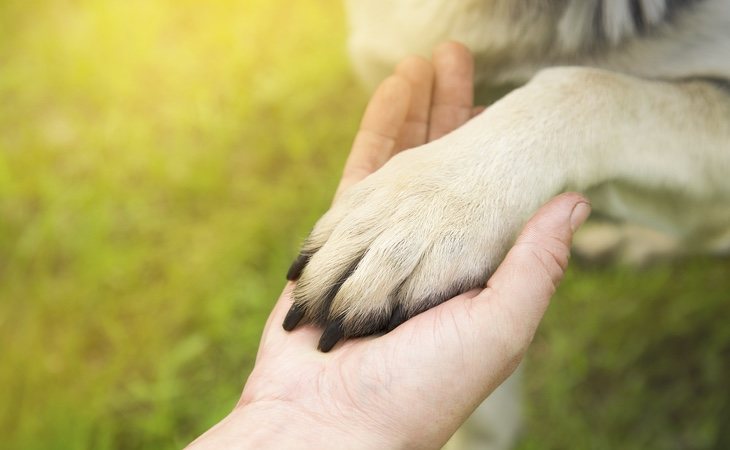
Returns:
<point x="580" y="213"/>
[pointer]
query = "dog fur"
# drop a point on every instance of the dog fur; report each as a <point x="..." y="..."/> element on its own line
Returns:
<point x="624" y="100"/>
<point x="627" y="101"/>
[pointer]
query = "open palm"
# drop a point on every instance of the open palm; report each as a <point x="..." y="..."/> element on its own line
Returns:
<point x="414" y="386"/>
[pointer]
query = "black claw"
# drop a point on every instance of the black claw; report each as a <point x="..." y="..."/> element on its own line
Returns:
<point x="332" y="334"/>
<point x="293" y="317"/>
<point x="323" y="312"/>
<point x="295" y="270"/>
<point x="397" y="317"/>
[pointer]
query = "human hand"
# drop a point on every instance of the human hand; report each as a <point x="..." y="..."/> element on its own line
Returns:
<point x="414" y="386"/>
<point x="422" y="101"/>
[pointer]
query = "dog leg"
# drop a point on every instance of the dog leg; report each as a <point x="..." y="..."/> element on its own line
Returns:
<point x="436" y="220"/>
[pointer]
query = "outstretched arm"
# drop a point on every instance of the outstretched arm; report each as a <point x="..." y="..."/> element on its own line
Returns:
<point x="398" y="390"/>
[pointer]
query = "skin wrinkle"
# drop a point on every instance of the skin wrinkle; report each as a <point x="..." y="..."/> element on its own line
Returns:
<point x="376" y="415"/>
<point x="462" y="328"/>
<point x="547" y="263"/>
<point x="317" y="420"/>
<point x="341" y="414"/>
<point x="370" y="391"/>
<point x="545" y="272"/>
<point x="498" y="337"/>
<point x="554" y="245"/>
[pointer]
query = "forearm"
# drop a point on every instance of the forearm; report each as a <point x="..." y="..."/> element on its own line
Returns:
<point x="654" y="134"/>
<point x="648" y="151"/>
<point x="275" y="426"/>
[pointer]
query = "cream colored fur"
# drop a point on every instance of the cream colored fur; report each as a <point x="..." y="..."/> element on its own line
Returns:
<point x="625" y="115"/>
<point x="444" y="213"/>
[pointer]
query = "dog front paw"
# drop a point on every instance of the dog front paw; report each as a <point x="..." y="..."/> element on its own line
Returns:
<point x="402" y="241"/>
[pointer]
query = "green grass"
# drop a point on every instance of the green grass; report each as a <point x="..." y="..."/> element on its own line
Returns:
<point x="160" y="161"/>
<point x="634" y="360"/>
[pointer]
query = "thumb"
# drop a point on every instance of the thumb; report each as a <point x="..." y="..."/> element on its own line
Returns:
<point x="527" y="278"/>
<point x="479" y="338"/>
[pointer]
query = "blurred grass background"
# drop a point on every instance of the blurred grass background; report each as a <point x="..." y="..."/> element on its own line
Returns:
<point x="160" y="161"/>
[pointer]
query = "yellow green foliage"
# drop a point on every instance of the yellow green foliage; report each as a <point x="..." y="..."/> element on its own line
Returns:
<point x="160" y="161"/>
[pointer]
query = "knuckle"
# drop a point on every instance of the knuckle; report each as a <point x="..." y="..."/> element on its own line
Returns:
<point x="551" y="257"/>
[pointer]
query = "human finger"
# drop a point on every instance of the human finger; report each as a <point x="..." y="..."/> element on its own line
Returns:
<point x="509" y="309"/>
<point x="380" y="127"/>
<point x="304" y="337"/>
<point x="523" y="284"/>
<point x="481" y="336"/>
<point x="453" y="94"/>
<point x="419" y="73"/>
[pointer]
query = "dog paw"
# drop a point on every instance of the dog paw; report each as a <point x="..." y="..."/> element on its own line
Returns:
<point x="407" y="238"/>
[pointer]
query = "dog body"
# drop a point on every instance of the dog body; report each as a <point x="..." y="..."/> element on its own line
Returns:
<point x="515" y="39"/>
<point x="625" y="100"/>
<point x="645" y="134"/>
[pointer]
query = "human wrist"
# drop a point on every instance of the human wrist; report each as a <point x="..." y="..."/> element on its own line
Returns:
<point x="275" y="425"/>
